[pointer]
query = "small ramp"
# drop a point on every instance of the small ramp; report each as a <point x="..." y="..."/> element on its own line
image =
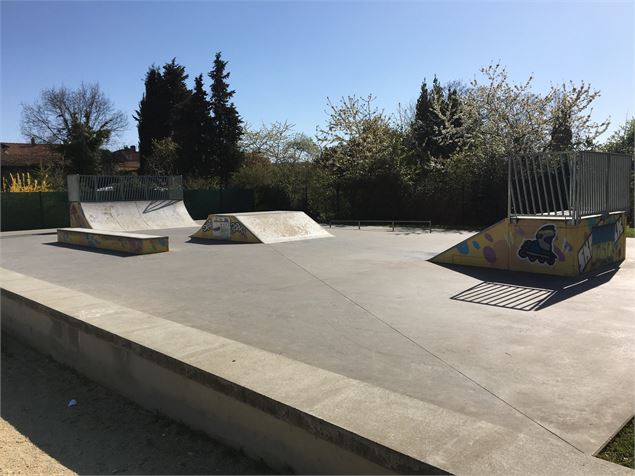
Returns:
<point x="261" y="227"/>
<point x="130" y="215"/>
<point x="544" y="244"/>
<point x="488" y="248"/>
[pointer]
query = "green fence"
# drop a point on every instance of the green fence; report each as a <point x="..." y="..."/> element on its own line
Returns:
<point x="200" y="203"/>
<point x="36" y="210"/>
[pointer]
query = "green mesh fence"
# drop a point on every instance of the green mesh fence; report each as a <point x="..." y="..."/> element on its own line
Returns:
<point x="36" y="210"/>
<point x="33" y="210"/>
<point x="200" y="203"/>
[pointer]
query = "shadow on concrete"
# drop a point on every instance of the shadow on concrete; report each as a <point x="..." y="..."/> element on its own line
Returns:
<point x="399" y="230"/>
<point x="22" y="235"/>
<point x="103" y="433"/>
<point x="201" y="241"/>
<point x="158" y="204"/>
<point x="527" y="291"/>
<point x="119" y="254"/>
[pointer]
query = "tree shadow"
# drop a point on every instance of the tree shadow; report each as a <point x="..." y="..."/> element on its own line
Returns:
<point x="527" y="291"/>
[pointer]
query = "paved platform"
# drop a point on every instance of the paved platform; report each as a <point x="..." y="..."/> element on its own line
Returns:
<point x="490" y="387"/>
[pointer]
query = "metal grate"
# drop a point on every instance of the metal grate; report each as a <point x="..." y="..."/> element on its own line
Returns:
<point x="111" y="188"/>
<point x="569" y="184"/>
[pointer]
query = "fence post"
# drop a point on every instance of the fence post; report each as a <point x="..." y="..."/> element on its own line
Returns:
<point x="509" y="188"/>
<point x="359" y="225"/>
<point x="393" y="225"/>
<point x="41" y="207"/>
<point x="72" y="182"/>
<point x="607" y="185"/>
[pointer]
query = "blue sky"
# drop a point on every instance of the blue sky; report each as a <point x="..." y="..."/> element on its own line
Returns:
<point x="285" y="58"/>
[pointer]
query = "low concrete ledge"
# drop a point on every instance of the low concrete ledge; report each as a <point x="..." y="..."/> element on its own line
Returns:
<point x="132" y="243"/>
<point x="293" y="416"/>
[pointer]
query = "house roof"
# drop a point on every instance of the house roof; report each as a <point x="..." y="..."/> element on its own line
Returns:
<point x="16" y="154"/>
<point x="129" y="159"/>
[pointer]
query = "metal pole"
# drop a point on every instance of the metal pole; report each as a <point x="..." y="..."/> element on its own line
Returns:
<point x="509" y="187"/>
<point x="608" y="188"/>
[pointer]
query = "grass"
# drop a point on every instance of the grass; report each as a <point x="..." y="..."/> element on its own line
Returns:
<point x="621" y="448"/>
<point x="630" y="232"/>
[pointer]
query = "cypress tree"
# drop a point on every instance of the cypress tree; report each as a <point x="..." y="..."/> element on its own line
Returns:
<point x="437" y="122"/>
<point x="226" y="123"/>
<point x="194" y="133"/>
<point x="152" y="122"/>
<point x="422" y="128"/>
<point x="161" y="107"/>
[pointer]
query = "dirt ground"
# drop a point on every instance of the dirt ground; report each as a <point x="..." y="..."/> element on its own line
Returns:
<point x="103" y="434"/>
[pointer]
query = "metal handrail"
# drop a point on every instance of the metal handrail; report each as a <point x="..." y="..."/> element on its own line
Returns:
<point x="392" y="223"/>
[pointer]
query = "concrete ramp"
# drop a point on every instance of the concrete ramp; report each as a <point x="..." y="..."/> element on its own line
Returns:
<point x="544" y="244"/>
<point x="130" y="215"/>
<point x="261" y="227"/>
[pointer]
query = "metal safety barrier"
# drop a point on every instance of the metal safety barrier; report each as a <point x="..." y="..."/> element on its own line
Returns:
<point x="392" y="223"/>
<point x="111" y="188"/>
<point x="568" y="184"/>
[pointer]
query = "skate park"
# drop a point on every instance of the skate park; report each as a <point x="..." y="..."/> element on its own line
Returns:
<point x="366" y="350"/>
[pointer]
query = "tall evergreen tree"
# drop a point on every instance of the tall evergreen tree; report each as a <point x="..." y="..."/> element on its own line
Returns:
<point x="161" y="107"/>
<point x="422" y="128"/>
<point x="226" y="123"/>
<point x="437" y="125"/>
<point x="151" y="120"/>
<point x="194" y="133"/>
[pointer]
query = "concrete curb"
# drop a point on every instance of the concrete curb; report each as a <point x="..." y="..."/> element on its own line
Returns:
<point x="293" y="416"/>
<point x="285" y="437"/>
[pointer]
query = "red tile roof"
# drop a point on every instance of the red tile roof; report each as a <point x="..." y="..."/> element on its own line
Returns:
<point x="27" y="155"/>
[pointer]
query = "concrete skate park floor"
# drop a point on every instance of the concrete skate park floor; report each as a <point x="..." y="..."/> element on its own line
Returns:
<point x="368" y="305"/>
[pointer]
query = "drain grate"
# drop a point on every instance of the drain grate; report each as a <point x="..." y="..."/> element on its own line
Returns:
<point x="509" y="296"/>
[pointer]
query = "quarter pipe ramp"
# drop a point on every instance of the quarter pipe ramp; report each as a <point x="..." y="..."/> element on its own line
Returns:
<point x="130" y="215"/>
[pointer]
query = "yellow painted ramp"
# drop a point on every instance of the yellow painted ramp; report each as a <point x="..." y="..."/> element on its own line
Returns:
<point x="488" y="248"/>
<point x="546" y="245"/>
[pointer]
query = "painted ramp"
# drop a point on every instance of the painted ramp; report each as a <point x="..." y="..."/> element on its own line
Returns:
<point x="261" y="227"/>
<point x="544" y="245"/>
<point x="130" y="215"/>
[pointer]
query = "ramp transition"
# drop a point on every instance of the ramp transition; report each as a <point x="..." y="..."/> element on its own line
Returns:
<point x="130" y="215"/>
<point x="547" y="245"/>
<point x="261" y="227"/>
